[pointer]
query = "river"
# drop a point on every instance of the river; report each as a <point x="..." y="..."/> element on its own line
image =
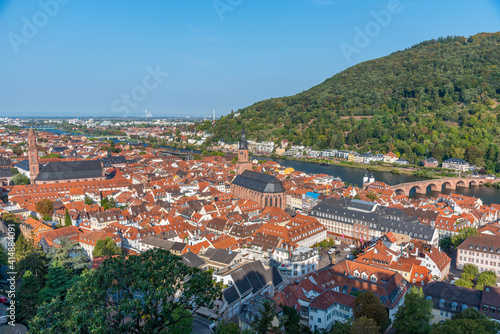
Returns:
<point x="355" y="176"/>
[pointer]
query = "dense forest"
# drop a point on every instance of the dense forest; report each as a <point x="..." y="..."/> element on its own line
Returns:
<point x="436" y="98"/>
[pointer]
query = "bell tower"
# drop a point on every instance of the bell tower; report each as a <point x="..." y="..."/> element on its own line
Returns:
<point x="243" y="157"/>
<point x="33" y="156"/>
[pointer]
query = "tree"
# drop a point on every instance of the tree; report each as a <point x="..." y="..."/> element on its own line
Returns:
<point x="88" y="200"/>
<point x="235" y="160"/>
<point x="264" y="321"/>
<point x="372" y="196"/>
<point x="364" y="325"/>
<point x="446" y="243"/>
<point x="462" y="235"/>
<point x="486" y="278"/>
<point x="414" y="316"/>
<point x="20" y="179"/>
<point x="29" y="258"/>
<point x="67" y="218"/>
<point x="57" y="282"/>
<point x="341" y="327"/>
<point x="470" y="271"/>
<point x="368" y="305"/>
<point x="469" y="321"/>
<point x="28" y="296"/>
<point x="290" y="320"/>
<point x="464" y="282"/>
<point x="146" y="293"/>
<point x="45" y="207"/>
<point x="473" y="154"/>
<point x="69" y="254"/>
<point x="4" y="257"/>
<point x="11" y="219"/>
<point x="106" y="247"/>
<point x="224" y="327"/>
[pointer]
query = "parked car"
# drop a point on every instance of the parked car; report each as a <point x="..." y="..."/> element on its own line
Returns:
<point x="350" y="257"/>
<point x="331" y="251"/>
<point x="352" y="246"/>
<point x="347" y="249"/>
<point x="4" y="300"/>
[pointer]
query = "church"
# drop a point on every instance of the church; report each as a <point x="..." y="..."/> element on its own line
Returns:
<point x="61" y="171"/>
<point x="264" y="189"/>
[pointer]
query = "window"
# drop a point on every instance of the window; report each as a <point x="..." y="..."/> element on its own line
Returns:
<point x="319" y="320"/>
<point x="441" y="303"/>
<point x="454" y="306"/>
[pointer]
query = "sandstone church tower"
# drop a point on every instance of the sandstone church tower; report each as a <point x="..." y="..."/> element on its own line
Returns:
<point x="33" y="157"/>
<point x="243" y="157"/>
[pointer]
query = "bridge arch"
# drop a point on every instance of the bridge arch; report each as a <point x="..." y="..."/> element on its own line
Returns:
<point x="400" y="191"/>
<point x="418" y="189"/>
<point x="461" y="184"/>
<point x="431" y="187"/>
<point x="473" y="183"/>
<point x="447" y="185"/>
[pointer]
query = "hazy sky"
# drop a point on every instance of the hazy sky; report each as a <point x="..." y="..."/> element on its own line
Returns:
<point x="187" y="57"/>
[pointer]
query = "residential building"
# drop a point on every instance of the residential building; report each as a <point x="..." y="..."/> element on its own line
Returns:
<point x="483" y="251"/>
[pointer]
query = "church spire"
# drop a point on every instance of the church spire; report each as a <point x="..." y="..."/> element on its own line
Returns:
<point x="243" y="140"/>
<point x="33" y="156"/>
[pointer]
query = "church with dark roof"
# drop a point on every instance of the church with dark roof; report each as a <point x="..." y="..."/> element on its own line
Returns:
<point x="61" y="171"/>
<point x="264" y="189"/>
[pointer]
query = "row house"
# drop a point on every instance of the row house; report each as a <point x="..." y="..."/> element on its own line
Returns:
<point x="449" y="299"/>
<point x="360" y="221"/>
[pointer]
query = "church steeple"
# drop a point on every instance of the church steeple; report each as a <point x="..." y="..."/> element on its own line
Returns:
<point x="243" y="157"/>
<point x="243" y="140"/>
<point x="33" y="156"/>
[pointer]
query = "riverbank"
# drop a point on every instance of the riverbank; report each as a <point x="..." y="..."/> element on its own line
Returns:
<point x="394" y="169"/>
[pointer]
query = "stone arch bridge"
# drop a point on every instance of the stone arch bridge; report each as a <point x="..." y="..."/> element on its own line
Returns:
<point x="421" y="187"/>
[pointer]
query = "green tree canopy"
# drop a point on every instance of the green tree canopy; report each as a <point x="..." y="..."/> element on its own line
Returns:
<point x="106" y="247"/>
<point x="263" y="324"/>
<point x="147" y="293"/>
<point x="414" y="316"/>
<point x="20" y="179"/>
<point x="67" y="218"/>
<point x="45" y="207"/>
<point x="69" y="254"/>
<point x="28" y="296"/>
<point x="364" y="325"/>
<point x="291" y="320"/>
<point x="469" y="321"/>
<point x="368" y="305"/>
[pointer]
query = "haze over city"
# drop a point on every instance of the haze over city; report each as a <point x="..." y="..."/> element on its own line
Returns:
<point x="80" y="58"/>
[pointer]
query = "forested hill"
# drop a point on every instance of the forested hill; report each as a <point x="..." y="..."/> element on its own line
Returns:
<point x="438" y="95"/>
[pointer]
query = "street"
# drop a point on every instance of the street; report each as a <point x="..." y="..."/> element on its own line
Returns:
<point x="329" y="260"/>
<point x="200" y="325"/>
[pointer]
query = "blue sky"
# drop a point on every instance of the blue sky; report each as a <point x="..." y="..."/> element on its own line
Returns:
<point x="96" y="58"/>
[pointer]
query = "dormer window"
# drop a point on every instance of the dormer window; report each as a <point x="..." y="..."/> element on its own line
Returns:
<point x="464" y="307"/>
<point x="454" y="306"/>
<point x="441" y="303"/>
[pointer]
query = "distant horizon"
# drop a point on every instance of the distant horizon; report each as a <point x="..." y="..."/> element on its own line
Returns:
<point x="175" y="59"/>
